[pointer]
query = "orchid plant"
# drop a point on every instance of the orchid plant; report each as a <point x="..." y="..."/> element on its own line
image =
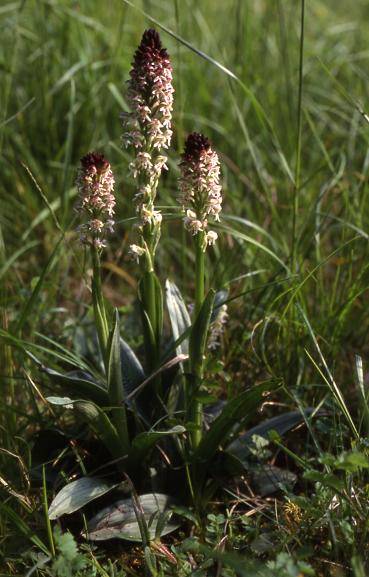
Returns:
<point x="132" y="407"/>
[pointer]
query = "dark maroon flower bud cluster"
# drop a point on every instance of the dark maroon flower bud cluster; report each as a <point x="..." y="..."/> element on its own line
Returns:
<point x="195" y="145"/>
<point x="95" y="184"/>
<point x="150" y="95"/>
<point x="94" y="162"/>
<point x="150" y="61"/>
<point x="200" y="191"/>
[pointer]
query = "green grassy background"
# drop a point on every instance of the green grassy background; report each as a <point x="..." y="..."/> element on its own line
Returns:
<point x="63" y="67"/>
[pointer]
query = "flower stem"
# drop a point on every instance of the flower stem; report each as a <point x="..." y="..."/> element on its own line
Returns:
<point x="196" y="406"/>
<point x="149" y="302"/>
<point x="99" y="305"/>
<point x="200" y="273"/>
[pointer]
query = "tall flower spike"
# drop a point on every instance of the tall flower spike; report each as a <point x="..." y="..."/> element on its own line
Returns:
<point x="200" y="190"/>
<point x="95" y="184"/>
<point x="147" y="128"/>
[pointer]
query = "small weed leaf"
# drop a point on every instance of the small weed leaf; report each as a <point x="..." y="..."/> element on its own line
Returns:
<point x="326" y="479"/>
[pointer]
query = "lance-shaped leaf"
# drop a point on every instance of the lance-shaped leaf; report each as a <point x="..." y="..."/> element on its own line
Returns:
<point x="132" y="372"/>
<point x="77" y="494"/>
<point x="241" y="446"/>
<point x="103" y="427"/>
<point x="178" y="315"/>
<point x="98" y="421"/>
<point x="168" y="365"/>
<point x="119" y="520"/>
<point x="236" y="412"/>
<point x="149" y="287"/>
<point x="159" y="308"/>
<point x="199" y="333"/>
<point x="77" y="383"/>
<point x="115" y="385"/>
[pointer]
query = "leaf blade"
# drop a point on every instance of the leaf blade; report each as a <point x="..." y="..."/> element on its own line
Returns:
<point x="77" y="494"/>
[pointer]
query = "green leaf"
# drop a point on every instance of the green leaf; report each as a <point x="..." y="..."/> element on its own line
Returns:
<point x="77" y="494"/>
<point x="352" y="462"/>
<point x="159" y="308"/>
<point x="30" y="304"/>
<point x="22" y="527"/>
<point x="325" y="479"/>
<point x="236" y="413"/>
<point x="61" y="402"/>
<point x="103" y="427"/>
<point x="98" y="420"/>
<point x="149" y="287"/>
<point x="115" y="385"/>
<point x="144" y="442"/>
<point x="241" y="447"/>
<point x="77" y="382"/>
<point x="148" y="333"/>
<point x="132" y="372"/>
<point x="178" y="315"/>
<point x="119" y="521"/>
<point x="199" y="333"/>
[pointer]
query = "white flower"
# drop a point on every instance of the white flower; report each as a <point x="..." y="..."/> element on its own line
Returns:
<point x="135" y="252"/>
<point x="192" y="224"/>
<point x="211" y="237"/>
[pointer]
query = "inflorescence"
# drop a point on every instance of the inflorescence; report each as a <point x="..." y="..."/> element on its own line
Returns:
<point x="200" y="191"/>
<point x="95" y="184"/>
<point x="147" y="128"/>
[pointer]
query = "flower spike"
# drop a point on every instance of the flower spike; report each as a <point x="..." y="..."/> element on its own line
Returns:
<point x="95" y="184"/>
<point x="147" y="127"/>
<point x="200" y="190"/>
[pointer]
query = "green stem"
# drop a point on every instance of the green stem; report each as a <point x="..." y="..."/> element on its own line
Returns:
<point x="200" y="273"/>
<point x="196" y="406"/>
<point x="99" y="306"/>
<point x="150" y="295"/>
<point x="149" y="305"/>
<point x="150" y="301"/>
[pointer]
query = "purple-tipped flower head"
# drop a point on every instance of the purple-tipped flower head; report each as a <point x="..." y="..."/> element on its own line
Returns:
<point x="200" y="190"/>
<point x="150" y="95"/>
<point x="147" y="128"/>
<point x="95" y="184"/>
